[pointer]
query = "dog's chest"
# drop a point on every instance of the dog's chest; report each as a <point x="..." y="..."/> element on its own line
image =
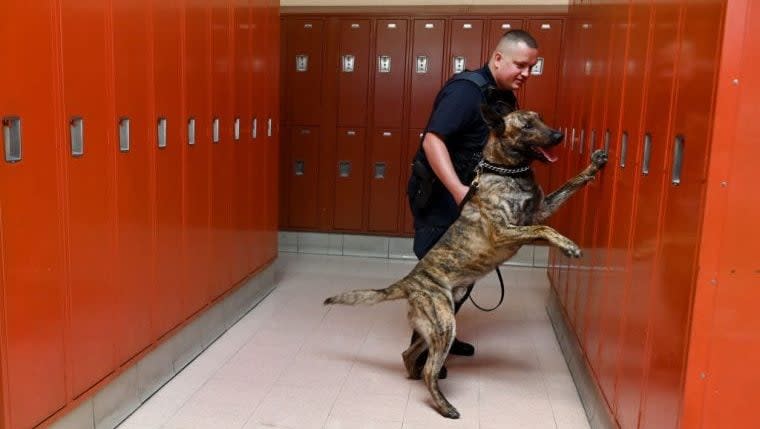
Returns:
<point x="514" y="202"/>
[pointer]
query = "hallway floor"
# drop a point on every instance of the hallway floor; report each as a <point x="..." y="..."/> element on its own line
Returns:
<point x="293" y="363"/>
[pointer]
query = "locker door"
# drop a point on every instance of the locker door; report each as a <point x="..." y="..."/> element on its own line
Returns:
<point x="683" y="205"/>
<point x="426" y="70"/>
<point x="196" y="149"/>
<point x="221" y="149"/>
<point x="466" y="46"/>
<point x="32" y="330"/>
<point x="88" y="154"/>
<point x="384" y="174"/>
<point x="353" y="75"/>
<point x="134" y="183"/>
<point x="258" y="121"/>
<point x="412" y="145"/>
<point x="303" y="93"/>
<point x="274" y="133"/>
<point x="349" y="179"/>
<point x="168" y="135"/>
<point x="303" y="170"/>
<point x="241" y="129"/>
<point x="390" y="63"/>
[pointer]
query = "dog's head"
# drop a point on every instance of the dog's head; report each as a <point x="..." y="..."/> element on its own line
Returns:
<point x="519" y="137"/>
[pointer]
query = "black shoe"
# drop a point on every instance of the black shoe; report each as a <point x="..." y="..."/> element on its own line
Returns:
<point x="461" y="348"/>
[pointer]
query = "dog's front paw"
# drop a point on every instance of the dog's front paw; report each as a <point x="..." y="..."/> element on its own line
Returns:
<point x="572" y="250"/>
<point x="599" y="158"/>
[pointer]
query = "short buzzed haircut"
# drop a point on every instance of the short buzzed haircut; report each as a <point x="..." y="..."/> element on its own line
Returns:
<point x="515" y="36"/>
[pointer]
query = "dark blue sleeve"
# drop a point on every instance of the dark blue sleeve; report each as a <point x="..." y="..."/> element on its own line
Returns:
<point x="458" y="109"/>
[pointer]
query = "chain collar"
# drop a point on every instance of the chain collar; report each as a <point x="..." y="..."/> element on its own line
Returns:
<point x="501" y="171"/>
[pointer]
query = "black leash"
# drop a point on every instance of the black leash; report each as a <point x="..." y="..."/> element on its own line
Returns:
<point x="501" y="298"/>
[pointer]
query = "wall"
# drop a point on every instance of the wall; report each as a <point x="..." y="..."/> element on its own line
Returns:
<point x="109" y="243"/>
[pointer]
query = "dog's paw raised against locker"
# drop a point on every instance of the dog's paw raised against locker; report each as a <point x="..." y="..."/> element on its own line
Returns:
<point x="599" y="158"/>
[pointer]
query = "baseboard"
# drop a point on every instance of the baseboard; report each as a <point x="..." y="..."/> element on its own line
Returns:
<point x="597" y="412"/>
<point x="375" y="246"/>
<point x="123" y="395"/>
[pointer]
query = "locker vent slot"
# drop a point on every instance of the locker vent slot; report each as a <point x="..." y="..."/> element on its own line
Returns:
<point x="678" y="159"/>
<point x="379" y="170"/>
<point x="298" y="168"/>
<point x="623" y="148"/>
<point x="647" y="154"/>
<point x="161" y="132"/>
<point x="124" y="134"/>
<point x="191" y="131"/>
<point x="607" y="138"/>
<point x="344" y="168"/>
<point x="215" y="130"/>
<point x="76" y="127"/>
<point x="12" y="138"/>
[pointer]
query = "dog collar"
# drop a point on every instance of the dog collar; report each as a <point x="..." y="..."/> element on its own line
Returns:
<point x="502" y="171"/>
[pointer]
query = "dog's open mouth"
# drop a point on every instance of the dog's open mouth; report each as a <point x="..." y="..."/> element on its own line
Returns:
<point x="545" y="154"/>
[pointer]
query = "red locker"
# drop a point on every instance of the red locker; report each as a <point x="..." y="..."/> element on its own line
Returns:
<point x="222" y="179"/>
<point x="389" y="67"/>
<point x="258" y="119"/>
<point x="196" y="151"/>
<point x="303" y="172"/>
<point x="465" y="46"/>
<point x="168" y="136"/>
<point x="273" y="127"/>
<point x="383" y="174"/>
<point x="349" y="179"/>
<point x="427" y="69"/>
<point x="89" y="130"/>
<point x="304" y="71"/>
<point x="353" y="74"/>
<point x="133" y="267"/>
<point x="241" y="138"/>
<point x="32" y="244"/>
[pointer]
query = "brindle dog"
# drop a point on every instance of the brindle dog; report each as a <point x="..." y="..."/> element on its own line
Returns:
<point x="504" y="214"/>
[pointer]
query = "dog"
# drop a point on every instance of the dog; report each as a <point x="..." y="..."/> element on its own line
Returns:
<point x="504" y="213"/>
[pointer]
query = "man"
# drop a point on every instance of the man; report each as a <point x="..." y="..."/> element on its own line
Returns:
<point x="452" y="146"/>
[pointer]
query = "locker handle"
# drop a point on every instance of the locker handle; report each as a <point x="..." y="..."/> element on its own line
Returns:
<point x="384" y="64"/>
<point x="348" y="62"/>
<point x="380" y="170"/>
<point x="458" y="63"/>
<point x="623" y="148"/>
<point x="191" y="131"/>
<point x="592" y="142"/>
<point x="582" y="141"/>
<point x="255" y="128"/>
<point x="647" y="154"/>
<point x="236" y="129"/>
<point x="124" y="134"/>
<point x="678" y="149"/>
<point x="344" y="168"/>
<point x="269" y="127"/>
<point x="572" y="141"/>
<point x="607" y="137"/>
<point x="302" y="63"/>
<point x="161" y="132"/>
<point x="76" y="133"/>
<point x="215" y="130"/>
<point x="12" y="138"/>
<point x="422" y="64"/>
<point x="299" y="168"/>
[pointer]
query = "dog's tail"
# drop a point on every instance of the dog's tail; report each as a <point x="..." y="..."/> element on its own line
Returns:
<point x="369" y="296"/>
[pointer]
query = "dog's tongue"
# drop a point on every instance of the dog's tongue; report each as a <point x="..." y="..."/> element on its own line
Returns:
<point x="548" y="155"/>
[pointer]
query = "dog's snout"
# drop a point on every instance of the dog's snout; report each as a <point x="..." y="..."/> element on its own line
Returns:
<point x="557" y="136"/>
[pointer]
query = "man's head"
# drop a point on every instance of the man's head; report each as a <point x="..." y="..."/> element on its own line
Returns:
<point x="511" y="61"/>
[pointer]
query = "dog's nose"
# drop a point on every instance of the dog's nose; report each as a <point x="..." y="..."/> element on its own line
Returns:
<point x="557" y="136"/>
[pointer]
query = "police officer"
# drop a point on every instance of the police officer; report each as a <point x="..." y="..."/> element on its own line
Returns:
<point x="452" y="145"/>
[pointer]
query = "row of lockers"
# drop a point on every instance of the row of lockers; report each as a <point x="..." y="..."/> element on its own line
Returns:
<point x="138" y="184"/>
<point x="639" y="79"/>
<point x="359" y="92"/>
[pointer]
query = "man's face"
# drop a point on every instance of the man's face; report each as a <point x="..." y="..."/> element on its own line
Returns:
<point x="512" y="64"/>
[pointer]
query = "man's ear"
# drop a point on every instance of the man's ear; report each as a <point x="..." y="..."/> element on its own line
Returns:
<point x="492" y="118"/>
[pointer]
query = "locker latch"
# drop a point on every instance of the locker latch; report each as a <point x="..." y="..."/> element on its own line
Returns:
<point x="191" y="131"/>
<point x="124" y="134"/>
<point x="76" y="134"/>
<point x="538" y="69"/>
<point x="344" y="168"/>
<point x="215" y="130"/>
<point x="422" y="64"/>
<point x="12" y="138"/>
<point x="299" y="168"/>
<point x="161" y="131"/>
<point x="458" y="64"/>
<point x="384" y="64"/>
<point x="302" y="63"/>
<point x="348" y="63"/>
<point x="379" y="170"/>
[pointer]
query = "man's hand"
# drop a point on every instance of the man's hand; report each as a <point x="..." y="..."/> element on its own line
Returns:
<point x="440" y="161"/>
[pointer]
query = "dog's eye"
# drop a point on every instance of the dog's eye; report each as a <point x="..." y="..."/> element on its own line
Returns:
<point x="528" y="126"/>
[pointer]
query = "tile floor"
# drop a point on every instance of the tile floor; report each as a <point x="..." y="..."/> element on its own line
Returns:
<point x="293" y="363"/>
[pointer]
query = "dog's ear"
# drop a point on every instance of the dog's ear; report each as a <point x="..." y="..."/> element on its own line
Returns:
<point x="492" y="115"/>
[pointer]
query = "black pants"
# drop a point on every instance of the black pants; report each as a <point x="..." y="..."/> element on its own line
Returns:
<point x="425" y="238"/>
